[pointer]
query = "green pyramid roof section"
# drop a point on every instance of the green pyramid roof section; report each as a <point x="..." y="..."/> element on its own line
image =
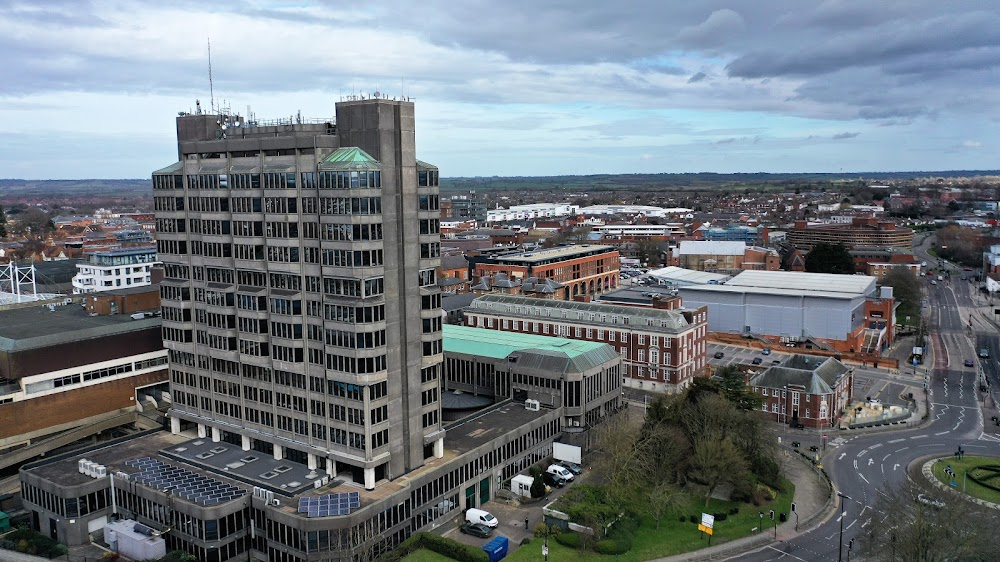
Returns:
<point x="349" y="158"/>
<point x="172" y="169"/>
<point x="421" y="165"/>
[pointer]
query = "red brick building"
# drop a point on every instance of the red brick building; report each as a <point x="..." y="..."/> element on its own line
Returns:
<point x="809" y="390"/>
<point x="862" y="231"/>
<point x="662" y="349"/>
<point x="570" y="271"/>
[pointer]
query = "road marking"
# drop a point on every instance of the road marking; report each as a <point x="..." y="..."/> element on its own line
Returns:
<point x="852" y="523"/>
<point x="896" y="467"/>
<point x="940" y="433"/>
<point x="897" y="440"/>
<point x="865" y="524"/>
<point x="842" y="455"/>
<point x="786" y="554"/>
<point x="871" y="462"/>
<point x="855" y="464"/>
<point x="885" y="457"/>
<point x="903" y="449"/>
<point x="918" y="437"/>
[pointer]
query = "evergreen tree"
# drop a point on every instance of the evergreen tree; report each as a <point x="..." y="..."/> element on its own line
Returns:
<point x="830" y="258"/>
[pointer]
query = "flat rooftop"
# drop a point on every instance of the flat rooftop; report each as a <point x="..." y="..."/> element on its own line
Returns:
<point x="497" y="344"/>
<point x="38" y="326"/>
<point x="227" y="464"/>
<point x="803" y="281"/>
<point x="552" y="254"/>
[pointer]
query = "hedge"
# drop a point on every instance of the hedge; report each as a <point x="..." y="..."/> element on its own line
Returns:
<point x="612" y="546"/>
<point x="441" y="545"/>
<point x="568" y="538"/>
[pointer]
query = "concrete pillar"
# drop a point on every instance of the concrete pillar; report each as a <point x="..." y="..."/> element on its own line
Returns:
<point x="201" y="430"/>
<point x="245" y="442"/>
<point x="439" y="448"/>
<point x="331" y="468"/>
<point x="175" y="425"/>
<point x="278" y="452"/>
<point x="216" y="435"/>
<point x="369" y="478"/>
<point x="311" y="461"/>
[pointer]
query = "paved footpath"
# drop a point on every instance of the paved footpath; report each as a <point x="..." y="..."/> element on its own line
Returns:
<point x="812" y="502"/>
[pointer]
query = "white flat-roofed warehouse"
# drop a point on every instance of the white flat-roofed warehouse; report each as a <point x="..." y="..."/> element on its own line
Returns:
<point x="837" y="312"/>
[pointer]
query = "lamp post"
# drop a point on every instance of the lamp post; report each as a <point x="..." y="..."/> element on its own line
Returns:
<point x="843" y="515"/>
<point x="760" y="526"/>
<point x="545" y="545"/>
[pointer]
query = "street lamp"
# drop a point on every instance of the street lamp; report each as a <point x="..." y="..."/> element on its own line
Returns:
<point x="760" y="527"/>
<point x="843" y="515"/>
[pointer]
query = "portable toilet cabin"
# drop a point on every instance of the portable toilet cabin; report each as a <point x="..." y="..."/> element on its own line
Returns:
<point x="521" y="485"/>
<point x="4" y="522"/>
<point x="496" y="549"/>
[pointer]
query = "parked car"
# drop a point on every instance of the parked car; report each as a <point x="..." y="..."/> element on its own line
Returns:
<point x="476" y="529"/>
<point x="554" y="480"/>
<point x="796" y="444"/>
<point x="970" y="363"/>
<point x="474" y="515"/>
<point x="571" y="466"/>
<point x="757" y="361"/>
<point x="814" y="448"/>
<point x="560" y="471"/>
<point x="984" y="353"/>
<point x="765" y="351"/>
<point x="775" y="362"/>
<point x="719" y="355"/>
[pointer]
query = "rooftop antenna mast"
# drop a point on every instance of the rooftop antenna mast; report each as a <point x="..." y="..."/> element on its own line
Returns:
<point x="211" y="87"/>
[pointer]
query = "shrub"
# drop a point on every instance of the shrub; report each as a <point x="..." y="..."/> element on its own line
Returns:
<point x="720" y="516"/>
<point x="568" y="538"/>
<point x="612" y="546"/>
<point x="525" y="540"/>
<point x="681" y="519"/>
<point x="537" y="489"/>
<point x="735" y="510"/>
<point x="540" y="529"/>
<point x="453" y="549"/>
<point x="694" y="519"/>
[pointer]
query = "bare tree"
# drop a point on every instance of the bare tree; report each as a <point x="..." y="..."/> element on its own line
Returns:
<point x="664" y="498"/>
<point x="913" y="524"/>
<point x="716" y="462"/>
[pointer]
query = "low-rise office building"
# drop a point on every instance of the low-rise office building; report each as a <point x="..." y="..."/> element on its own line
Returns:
<point x="571" y="271"/>
<point x="661" y="349"/>
<point x="115" y="269"/>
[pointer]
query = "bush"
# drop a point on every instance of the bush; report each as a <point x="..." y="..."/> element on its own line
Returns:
<point x="537" y="489"/>
<point x="694" y="519"/>
<point x="735" y="510"/>
<point x="453" y="549"/>
<point x="525" y="540"/>
<point x="720" y="516"/>
<point x="540" y="529"/>
<point x="681" y="519"/>
<point x="568" y="538"/>
<point x="612" y="546"/>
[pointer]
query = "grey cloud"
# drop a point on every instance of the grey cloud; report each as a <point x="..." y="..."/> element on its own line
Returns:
<point x="714" y="31"/>
<point x="842" y="136"/>
<point x="696" y="77"/>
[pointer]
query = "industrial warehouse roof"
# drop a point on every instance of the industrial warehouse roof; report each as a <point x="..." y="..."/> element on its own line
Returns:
<point x="712" y="247"/>
<point x="528" y="307"/>
<point x="818" y="375"/>
<point x="692" y="291"/>
<point x="682" y="275"/>
<point x="39" y="326"/>
<point x="802" y="281"/>
<point x="558" y="354"/>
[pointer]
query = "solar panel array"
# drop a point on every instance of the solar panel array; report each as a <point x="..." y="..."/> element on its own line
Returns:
<point x="331" y="504"/>
<point x="182" y="483"/>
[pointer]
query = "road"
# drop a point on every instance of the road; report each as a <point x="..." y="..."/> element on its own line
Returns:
<point x="861" y="466"/>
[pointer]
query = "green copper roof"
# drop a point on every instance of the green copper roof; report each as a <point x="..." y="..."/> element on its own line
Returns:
<point x="576" y="355"/>
<point x="349" y="158"/>
<point x="174" y="168"/>
<point x="421" y="165"/>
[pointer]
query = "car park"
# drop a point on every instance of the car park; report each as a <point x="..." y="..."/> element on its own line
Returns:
<point x="969" y="363"/>
<point x="476" y="529"/>
<point x="719" y="355"/>
<point x="757" y="361"/>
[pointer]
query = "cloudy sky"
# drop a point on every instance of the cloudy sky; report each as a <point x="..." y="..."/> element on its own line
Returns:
<point x="518" y="87"/>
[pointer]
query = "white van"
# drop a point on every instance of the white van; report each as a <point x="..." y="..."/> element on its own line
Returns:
<point x="560" y="472"/>
<point x="479" y="516"/>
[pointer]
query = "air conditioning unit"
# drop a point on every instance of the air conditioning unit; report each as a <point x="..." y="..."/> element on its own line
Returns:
<point x="533" y="405"/>
<point x="275" y="502"/>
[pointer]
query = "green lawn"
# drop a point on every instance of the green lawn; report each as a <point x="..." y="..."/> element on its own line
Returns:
<point x="673" y="537"/>
<point x="970" y="487"/>
<point x="424" y="555"/>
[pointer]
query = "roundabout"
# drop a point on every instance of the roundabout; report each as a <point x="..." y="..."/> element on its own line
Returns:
<point x="977" y="478"/>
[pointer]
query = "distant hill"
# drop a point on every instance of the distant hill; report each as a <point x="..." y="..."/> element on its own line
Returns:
<point x="16" y="187"/>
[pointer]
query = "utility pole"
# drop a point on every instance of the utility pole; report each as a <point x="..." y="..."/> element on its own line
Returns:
<point x="843" y="515"/>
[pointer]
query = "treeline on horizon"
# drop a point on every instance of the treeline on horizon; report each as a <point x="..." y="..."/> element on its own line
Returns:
<point x="597" y="182"/>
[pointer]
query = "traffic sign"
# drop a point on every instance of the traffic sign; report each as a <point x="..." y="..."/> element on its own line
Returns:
<point x="708" y="520"/>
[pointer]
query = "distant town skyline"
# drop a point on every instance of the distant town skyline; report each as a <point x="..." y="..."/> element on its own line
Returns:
<point x="91" y="89"/>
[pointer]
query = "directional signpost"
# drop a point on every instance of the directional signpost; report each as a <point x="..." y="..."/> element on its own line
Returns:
<point x="706" y="526"/>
